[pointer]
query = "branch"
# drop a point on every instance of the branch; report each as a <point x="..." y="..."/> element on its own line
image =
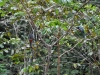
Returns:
<point x="71" y="48"/>
<point x="71" y="25"/>
<point x="83" y="5"/>
<point x="62" y="35"/>
<point x="33" y="25"/>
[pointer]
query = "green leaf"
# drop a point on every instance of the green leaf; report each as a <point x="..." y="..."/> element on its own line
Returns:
<point x="30" y="69"/>
<point x="14" y="8"/>
<point x="17" y="1"/>
<point x="70" y="14"/>
<point x="14" y="40"/>
<point x="1" y="46"/>
<point x="57" y="1"/>
<point x="55" y="22"/>
<point x="20" y="13"/>
<point x="74" y="72"/>
<point x="3" y="2"/>
<point x="3" y="14"/>
<point x="25" y="69"/>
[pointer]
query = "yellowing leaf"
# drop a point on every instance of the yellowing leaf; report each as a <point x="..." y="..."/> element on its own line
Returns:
<point x="47" y="0"/>
<point x="36" y="66"/>
<point x="72" y="32"/>
<point x="76" y="16"/>
<point x="75" y="65"/>
<point x="66" y="12"/>
<point x="34" y="48"/>
<point x="41" y="26"/>
<point x="93" y="34"/>
<point x="87" y="28"/>
<point x="37" y="42"/>
<point x="9" y="34"/>
<point x="39" y="54"/>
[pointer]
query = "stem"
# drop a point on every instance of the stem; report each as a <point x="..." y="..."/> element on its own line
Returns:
<point x="47" y="64"/>
<point x="58" y="67"/>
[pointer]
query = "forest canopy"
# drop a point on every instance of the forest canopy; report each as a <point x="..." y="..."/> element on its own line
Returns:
<point x="49" y="37"/>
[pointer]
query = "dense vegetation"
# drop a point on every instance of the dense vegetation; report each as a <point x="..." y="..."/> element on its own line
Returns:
<point x="58" y="47"/>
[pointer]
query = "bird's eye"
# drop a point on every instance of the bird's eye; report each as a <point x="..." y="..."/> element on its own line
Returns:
<point x="77" y="27"/>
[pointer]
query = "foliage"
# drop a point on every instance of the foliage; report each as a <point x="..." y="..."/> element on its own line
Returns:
<point x="58" y="47"/>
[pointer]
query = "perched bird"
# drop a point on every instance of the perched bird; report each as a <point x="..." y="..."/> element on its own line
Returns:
<point x="31" y="38"/>
<point x="81" y="31"/>
<point x="80" y="28"/>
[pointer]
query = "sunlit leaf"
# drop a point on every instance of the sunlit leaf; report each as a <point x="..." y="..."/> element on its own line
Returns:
<point x="14" y="8"/>
<point x="30" y="68"/>
<point x="75" y="65"/>
<point x="20" y="13"/>
<point x="37" y="66"/>
<point x="90" y="53"/>
<point x="3" y="2"/>
<point x="1" y="46"/>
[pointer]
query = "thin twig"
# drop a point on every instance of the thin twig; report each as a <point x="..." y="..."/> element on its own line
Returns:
<point x="83" y="5"/>
<point x="71" y="48"/>
<point x="71" y="25"/>
<point x="33" y="25"/>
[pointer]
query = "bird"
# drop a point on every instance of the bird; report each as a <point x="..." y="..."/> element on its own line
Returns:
<point x="31" y="38"/>
<point x="81" y="31"/>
